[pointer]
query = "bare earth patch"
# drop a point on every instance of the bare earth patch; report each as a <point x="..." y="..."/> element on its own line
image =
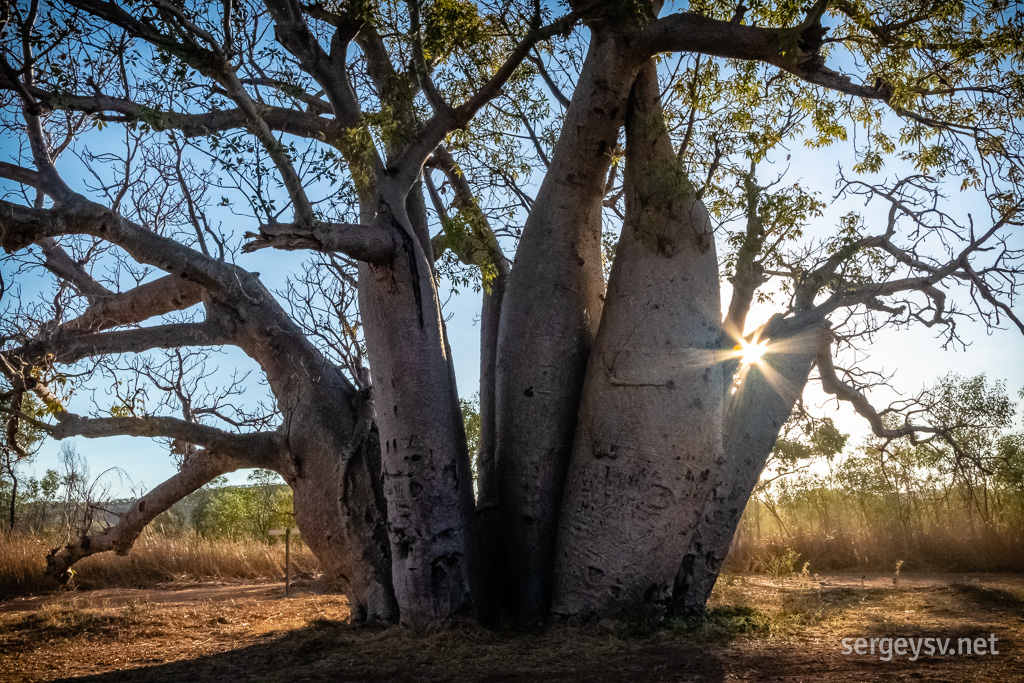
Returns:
<point x="760" y="629"/>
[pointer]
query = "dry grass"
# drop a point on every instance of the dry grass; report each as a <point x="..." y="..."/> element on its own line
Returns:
<point x="155" y="560"/>
<point x="939" y="550"/>
<point x="833" y="534"/>
<point x="759" y="629"/>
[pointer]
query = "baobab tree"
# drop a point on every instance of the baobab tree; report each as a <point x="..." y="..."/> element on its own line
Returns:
<point x="621" y="429"/>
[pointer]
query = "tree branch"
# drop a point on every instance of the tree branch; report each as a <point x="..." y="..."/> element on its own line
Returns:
<point x="795" y="50"/>
<point x="329" y="70"/>
<point x="259" y="448"/>
<point x="451" y="118"/>
<point x="375" y="243"/>
<point x="832" y="384"/>
<point x="20" y="226"/>
<point x="196" y="471"/>
<point x="148" y="300"/>
<point x="60" y="263"/>
<point x="71" y="348"/>
<point x="283" y="120"/>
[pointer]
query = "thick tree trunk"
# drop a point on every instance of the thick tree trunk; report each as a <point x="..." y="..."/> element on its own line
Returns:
<point x="488" y="513"/>
<point x="326" y="449"/>
<point x="333" y="464"/>
<point x="548" y="321"/>
<point x="490" y="319"/>
<point x="339" y="505"/>
<point x="763" y="400"/>
<point x="427" y="478"/>
<point x="649" y="430"/>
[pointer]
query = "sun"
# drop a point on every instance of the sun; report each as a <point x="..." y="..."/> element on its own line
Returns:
<point x="751" y="352"/>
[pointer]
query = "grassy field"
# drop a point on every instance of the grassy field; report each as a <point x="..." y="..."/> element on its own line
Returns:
<point x="760" y="628"/>
<point x="155" y="560"/>
<point x="842" y="531"/>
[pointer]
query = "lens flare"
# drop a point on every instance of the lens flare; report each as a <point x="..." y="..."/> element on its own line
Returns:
<point x="751" y="353"/>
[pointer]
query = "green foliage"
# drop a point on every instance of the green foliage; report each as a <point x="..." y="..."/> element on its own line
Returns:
<point x="450" y="25"/>
<point x="36" y="505"/>
<point x="16" y="494"/>
<point x="30" y="435"/>
<point x="471" y="421"/>
<point x="805" y="439"/>
<point x="238" y="512"/>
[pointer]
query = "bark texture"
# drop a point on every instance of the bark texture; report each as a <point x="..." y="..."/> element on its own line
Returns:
<point x="331" y="457"/>
<point x="763" y="400"/>
<point x="427" y="479"/>
<point x="550" y="315"/>
<point x="649" y="430"/>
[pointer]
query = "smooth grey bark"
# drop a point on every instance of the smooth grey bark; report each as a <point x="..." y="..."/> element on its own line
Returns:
<point x="649" y="429"/>
<point x="479" y="247"/>
<point x="490" y="320"/>
<point x="331" y="459"/>
<point x="427" y="478"/>
<point x="765" y="393"/>
<point x="549" y="318"/>
<point x="338" y="500"/>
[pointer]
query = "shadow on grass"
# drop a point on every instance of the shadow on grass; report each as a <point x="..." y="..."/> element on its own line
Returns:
<point x="992" y="598"/>
<point x="336" y="651"/>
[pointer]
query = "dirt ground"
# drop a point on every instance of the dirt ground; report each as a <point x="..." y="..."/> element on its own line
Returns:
<point x="760" y="629"/>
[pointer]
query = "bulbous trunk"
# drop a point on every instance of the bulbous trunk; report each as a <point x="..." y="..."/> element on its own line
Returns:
<point x="764" y="397"/>
<point x="340" y="510"/>
<point x="427" y="479"/>
<point x="549" y="318"/>
<point x="332" y="462"/>
<point x="650" y="420"/>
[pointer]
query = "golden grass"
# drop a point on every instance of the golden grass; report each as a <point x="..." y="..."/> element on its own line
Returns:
<point x="834" y="535"/>
<point x="156" y="559"/>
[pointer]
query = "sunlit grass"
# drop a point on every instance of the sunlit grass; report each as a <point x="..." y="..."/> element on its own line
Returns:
<point x="156" y="559"/>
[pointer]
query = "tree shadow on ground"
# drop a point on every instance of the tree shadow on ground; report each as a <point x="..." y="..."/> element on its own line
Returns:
<point x="336" y="651"/>
<point x="989" y="597"/>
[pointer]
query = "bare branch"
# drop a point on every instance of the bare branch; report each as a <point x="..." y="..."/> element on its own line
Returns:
<point x="258" y="447"/>
<point x="146" y="301"/>
<point x="20" y="226"/>
<point x="445" y="121"/>
<point x="916" y="433"/>
<point x="60" y="263"/>
<point x="290" y="121"/>
<point x="70" y="347"/>
<point x="373" y="243"/>
<point x="795" y="50"/>
<point x="196" y="471"/>
<point x="329" y="70"/>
